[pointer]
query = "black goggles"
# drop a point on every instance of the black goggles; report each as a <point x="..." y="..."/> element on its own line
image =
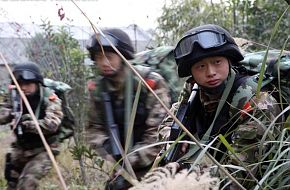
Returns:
<point x="104" y="41"/>
<point x="114" y="40"/>
<point x="205" y="38"/>
<point x="24" y="75"/>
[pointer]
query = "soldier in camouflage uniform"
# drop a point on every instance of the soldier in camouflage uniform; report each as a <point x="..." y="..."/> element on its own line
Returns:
<point x="149" y="114"/>
<point x="205" y="55"/>
<point x="28" y="160"/>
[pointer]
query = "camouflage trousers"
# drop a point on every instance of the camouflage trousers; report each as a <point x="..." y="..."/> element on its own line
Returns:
<point x="24" y="168"/>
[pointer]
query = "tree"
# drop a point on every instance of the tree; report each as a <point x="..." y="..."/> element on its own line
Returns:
<point x="179" y="16"/>
<point x="61" y="59"/>
<point x="250" y="19"/>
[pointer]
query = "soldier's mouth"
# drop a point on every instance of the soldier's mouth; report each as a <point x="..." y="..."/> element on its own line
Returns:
<point x="107" y="71"/>
<point x="213" y="82"/>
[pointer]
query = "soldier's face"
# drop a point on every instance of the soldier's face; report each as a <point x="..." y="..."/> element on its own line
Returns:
<point x="28" y="88"/>
<point x="109" y="64"/>
<point x="210" y="72"/>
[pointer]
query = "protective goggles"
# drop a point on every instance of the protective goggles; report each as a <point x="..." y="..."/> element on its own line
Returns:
<point x="104" y="42"/>
<point x="113" y="39"/>
<point x="24" y="75"/>
<point x="205" y="38"/>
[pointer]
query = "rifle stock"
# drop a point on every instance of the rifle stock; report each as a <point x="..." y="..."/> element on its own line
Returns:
<point x="175" y="153"/>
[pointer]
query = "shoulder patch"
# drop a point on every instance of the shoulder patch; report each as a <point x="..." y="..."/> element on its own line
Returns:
<point x="52" y="97"/>
<point x="91" y="85"/>
<point x="152" y="83"/>
<point x="246" y="108"/>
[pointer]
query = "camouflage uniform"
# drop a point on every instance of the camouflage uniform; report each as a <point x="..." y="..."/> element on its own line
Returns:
<point x="241" y="130"/>
<point x="28" y="161"/>
<point x="148" y="116"/>
<point x="114" y="80"/>
<point x="206" y="53"/>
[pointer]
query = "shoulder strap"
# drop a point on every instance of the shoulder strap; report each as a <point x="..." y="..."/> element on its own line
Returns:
<point x="194" y="149"/>
<point x="45" y="92"/>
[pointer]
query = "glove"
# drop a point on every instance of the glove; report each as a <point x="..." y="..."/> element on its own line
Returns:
<point x="28" y="124"/>
<point x="26" y="117"/>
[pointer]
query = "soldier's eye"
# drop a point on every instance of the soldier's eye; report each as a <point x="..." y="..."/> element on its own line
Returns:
<point x="200" y="66"/>
<point x="218" y="61"/>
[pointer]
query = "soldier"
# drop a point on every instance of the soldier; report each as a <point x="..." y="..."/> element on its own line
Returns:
<point x="111" y="80"/>
<point x="28" y="161"/>
<point x="224" y="99"/>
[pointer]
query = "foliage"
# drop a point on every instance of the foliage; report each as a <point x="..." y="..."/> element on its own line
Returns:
<point x="61" y="58"/>
<point x="95" y="173"/>
<point x="250" y="19"/>
<point x="255" y="21"/>
<point x="178" y="17"/>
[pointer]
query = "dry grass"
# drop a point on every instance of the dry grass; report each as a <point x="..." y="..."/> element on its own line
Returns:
<point x="70" y="170"/>
<point x="169" y="178"/>
<point x="69" y="167"/>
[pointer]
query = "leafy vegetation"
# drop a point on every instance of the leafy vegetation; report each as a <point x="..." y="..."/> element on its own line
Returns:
<point x="61" y="58"/>
<point x="250" y="19"/>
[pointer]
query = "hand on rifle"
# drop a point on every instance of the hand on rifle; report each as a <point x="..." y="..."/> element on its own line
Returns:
<point x="28" y="123"/>
<point x="184" y="147"/>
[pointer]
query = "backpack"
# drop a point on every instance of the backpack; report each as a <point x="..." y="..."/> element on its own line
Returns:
<point x="162" y="61"/>
<point x="251" y="65"/>
<point x="61" y="89"/>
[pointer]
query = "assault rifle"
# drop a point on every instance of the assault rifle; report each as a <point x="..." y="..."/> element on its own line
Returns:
<point x="16" y="110"/>
<point x="110" y="123"/>
<point x="112" y="127"/>
<point x="182" y="115"/>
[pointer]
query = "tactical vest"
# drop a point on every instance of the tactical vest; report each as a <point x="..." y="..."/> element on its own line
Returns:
<point x="141" y="113"/>
<point x="140" y="117"/>
<point x="33" y="140"/>
<point x="243" y="89"/>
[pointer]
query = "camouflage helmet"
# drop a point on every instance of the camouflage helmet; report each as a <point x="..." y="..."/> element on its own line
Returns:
<point x="119" y="39"/>
<point x="28" y="71"/>
<point x="201" y="42"/>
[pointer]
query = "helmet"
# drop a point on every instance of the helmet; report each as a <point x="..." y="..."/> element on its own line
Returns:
<point x="28" y="71"/>
<point x="201" y="42"/>
<point x="119" y="39"/>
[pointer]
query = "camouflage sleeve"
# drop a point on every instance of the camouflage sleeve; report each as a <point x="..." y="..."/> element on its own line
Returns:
<point x="95" y="134"/>
<point x="165" y="126"/>
<point x="53" y="115"/>
<point x="249" y="132"/>
<point x="52" y="119"/>
<point x="155" y="116"/>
